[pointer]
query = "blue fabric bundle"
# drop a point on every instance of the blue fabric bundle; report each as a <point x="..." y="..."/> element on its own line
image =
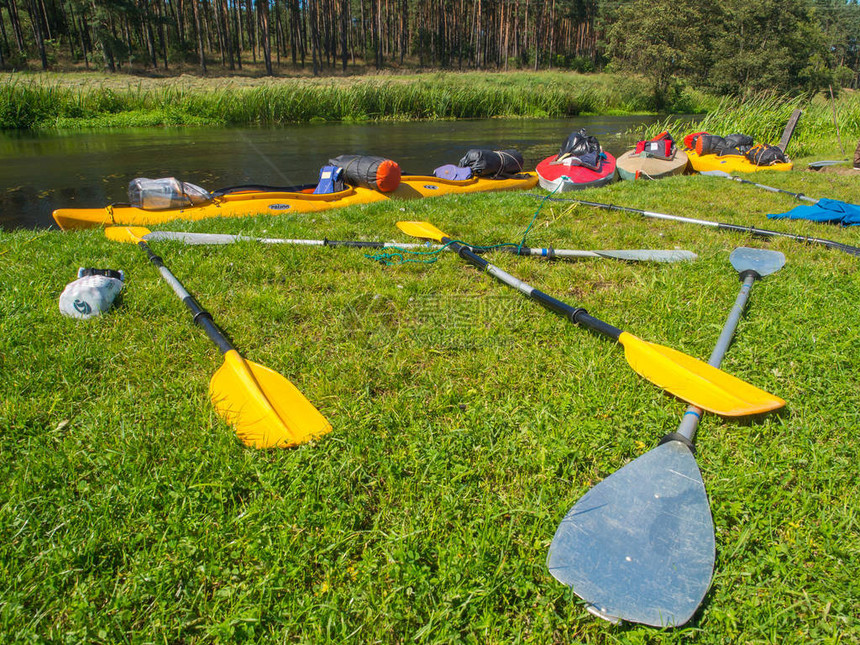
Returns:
<point x="831" y="211"/>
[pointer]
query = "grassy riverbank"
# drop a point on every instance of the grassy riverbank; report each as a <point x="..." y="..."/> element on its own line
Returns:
<point x="81" y="100"/>
<point x="467" y="421"/>
<point x="63" y="101"/>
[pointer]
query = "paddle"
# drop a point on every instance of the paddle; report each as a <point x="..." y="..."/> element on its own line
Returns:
<point x="632" y="255"/>
<point x="831" y="211"/>
<point x="684" y="376"/>
<point x="265" y="409"/>
<point x="640" y="545"/>
<point x="818" y="165"/>
<point x="720" y="173"/>
<point x="761" y="232"/>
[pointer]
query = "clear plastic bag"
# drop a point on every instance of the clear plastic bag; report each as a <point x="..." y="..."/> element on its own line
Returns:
<point x="165" y="193"/>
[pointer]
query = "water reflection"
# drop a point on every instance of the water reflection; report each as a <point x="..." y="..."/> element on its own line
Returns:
<point x="39" y="173"/>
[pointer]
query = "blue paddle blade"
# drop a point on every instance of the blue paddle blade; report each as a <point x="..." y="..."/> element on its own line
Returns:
<point x="639" y="546"/>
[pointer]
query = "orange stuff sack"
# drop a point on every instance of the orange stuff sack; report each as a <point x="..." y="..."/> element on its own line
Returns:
<point x="368" y="171"/>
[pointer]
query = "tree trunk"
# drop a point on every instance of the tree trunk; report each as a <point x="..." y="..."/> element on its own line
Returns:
<point x="344" y="32"/>
<point x="263" y="9"/>
<point x="200" y="51"/>
<point x="16" y="25"/>
<point x="162" y="37"/>
<point x="36" y="20"/>
<point x="5" y="43"/>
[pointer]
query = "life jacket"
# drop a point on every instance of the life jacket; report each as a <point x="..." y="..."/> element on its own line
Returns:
<point x="367" y="171"/>
<point x="492" y="163"/>
<point x="766" y="155"/>
<point x="331" y="180"/>
<point x="661" y="147"/>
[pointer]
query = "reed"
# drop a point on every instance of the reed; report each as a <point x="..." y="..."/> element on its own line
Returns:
<point x="36" y="104"/>
<point x="763" y="117"/>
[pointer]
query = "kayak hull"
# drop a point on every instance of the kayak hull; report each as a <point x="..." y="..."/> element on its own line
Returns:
<point x="729" y="163"/>
<point x="632" y="166"/>
<point x="251" y="203"/>
<point x="562" y="178"/>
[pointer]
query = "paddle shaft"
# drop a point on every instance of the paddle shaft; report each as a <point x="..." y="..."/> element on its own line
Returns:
<point x="761" y="232"/>
<point x="201" y="317"/>
<point x="770" y="188"/>
<point x="577" y="315"/>
<point x="549" y="253"/>
<point x="692" y="416"/>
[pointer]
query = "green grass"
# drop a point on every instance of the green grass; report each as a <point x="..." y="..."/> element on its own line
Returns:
<point x="467" y="421"/>
<point x="66" y="101"/>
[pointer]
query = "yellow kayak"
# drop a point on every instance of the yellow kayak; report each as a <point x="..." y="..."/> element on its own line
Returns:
<point x="729" y="163"/>
<point x="415" y="186"/>
<point x="239" y="204"/>
<point x="250" y="203"/>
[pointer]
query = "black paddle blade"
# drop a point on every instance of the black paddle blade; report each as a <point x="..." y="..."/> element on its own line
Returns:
<point x="639" y="546"/>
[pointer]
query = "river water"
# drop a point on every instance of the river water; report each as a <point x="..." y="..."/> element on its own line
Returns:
<point x="42" y="172"/>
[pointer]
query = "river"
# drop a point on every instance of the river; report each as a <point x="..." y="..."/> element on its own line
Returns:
<point x="42" y="172"/>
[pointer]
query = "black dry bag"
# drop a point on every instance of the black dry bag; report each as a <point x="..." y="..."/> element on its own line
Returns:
<point x="492" y="163"/>
<point x="579" y="144"/>
<point x="377" y="173"/>
<point x="766" y="155"/>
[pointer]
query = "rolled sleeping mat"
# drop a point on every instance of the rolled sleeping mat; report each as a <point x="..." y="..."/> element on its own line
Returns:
<point x="367" y="171"/>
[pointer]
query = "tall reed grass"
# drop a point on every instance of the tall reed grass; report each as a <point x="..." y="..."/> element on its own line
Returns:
<point x="763" y="117"/>
<point x="37" y="105"/>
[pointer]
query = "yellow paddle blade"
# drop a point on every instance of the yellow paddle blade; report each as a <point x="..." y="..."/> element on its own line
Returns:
<point x="266" y="410"/>
<point x="695" y="381"/>
<point x="127" y="234"/>
<point x="424" y="230"/>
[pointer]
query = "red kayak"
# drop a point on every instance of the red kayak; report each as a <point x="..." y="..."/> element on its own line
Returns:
<point x="562" y="176"/>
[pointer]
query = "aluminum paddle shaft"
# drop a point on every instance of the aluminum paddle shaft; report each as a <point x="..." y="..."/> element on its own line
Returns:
<point x="752" y="265"/>
<point x="770" y="189"/>
<point x="576" y="315"/>
<point x="760" y="232"/>
<point x="630" y="255"/>
<point x="687" y="378"/>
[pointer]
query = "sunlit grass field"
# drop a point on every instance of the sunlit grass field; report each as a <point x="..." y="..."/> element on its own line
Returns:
<point x="467" y="421"/>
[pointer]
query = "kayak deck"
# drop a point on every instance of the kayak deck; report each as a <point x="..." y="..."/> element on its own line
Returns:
<point x="251" y="202"/>
<point x="638" y="166"/>
<point x="729" y="163"/>
<point x="561" y="177"/>
<point x="416" y="186"/>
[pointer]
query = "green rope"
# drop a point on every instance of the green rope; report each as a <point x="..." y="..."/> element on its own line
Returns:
<point x="400" y="256"/>
<point x="403" y="256"/>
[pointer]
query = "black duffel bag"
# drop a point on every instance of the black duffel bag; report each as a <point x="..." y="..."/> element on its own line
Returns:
<point x="492" y="163"/>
